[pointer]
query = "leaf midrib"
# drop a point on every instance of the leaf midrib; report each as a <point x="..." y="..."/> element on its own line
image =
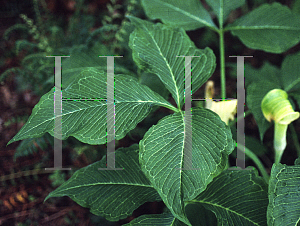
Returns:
<point x="262" y="27"/>
<point x="103" y="184"/>
<point x="81" y="109"/>
<point x="226" y="209"/>
<point x="292" y="84"/>
<point x="166" y="62"/>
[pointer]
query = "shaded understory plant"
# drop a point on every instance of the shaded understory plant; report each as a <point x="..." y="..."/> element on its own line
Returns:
<point x="210" y="193"/>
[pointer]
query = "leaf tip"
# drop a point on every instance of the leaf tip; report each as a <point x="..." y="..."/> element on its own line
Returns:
<point x="11" y="141"/>
<point x="48" y="196"/>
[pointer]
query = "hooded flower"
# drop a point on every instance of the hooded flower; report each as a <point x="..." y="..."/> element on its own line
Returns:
<point x="276" y="106"/>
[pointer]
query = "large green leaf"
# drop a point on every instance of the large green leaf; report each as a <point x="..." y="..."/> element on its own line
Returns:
<point x="222" y="8"/>
<point x="155" y="47"/>
<point x="86" y="120"/>
<point x="272" y="28"/>
<point x="188" y="14"/>
<point x="113" y="194"/>
<point x="284" y="196"/>
<point x="162" y="154"/>
<point x="238" y="197"/>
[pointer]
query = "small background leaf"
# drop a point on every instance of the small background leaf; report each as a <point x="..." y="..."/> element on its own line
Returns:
<point x="222" y="8"/>
<point x="83" y="57"/>
<point x="290" y="73"/>
<point x="154" y="83"/>
<point x="31" y="145"/>
<point x="188" y="14"/>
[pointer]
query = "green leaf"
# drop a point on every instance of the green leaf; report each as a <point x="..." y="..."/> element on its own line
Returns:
<point x="267" y="71"/>
<point x="290" y="72"/>
<point x="187" y="14"/>
<point x="164" y="219"/>
<point x="259" y="82"/>
<point x="222" y="8"/>
<point x="199" y="216"/>
<point x="284" y="196"/>
<point x="154" y="83"/>
<point x="29" y="146"/>
<point x="255" y="94"/>
<point x="162" y="152"/>
<point x="297" y="161"/>
<point x="297" y="97"/>
<point x="113" y="194"/>
<point x="86" y="120"/>
<point x="154" y="49"/>
<point x="290" y="76"/>
<point x="271" y="28"/>
<point x="82" y="57"/>
<point x="296" y="6"/>
<point x="237" y="197"/>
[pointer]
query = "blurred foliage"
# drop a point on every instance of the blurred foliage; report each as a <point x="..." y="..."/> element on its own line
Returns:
<point x="49" y="35"/>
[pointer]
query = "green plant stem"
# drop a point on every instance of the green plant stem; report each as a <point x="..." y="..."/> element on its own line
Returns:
<point x="248" y="112"/>
<point x="279" y="140"/>
<point x="295" y="139"/>
<point x="222" y="63"/>
<point x="257" y="162"/>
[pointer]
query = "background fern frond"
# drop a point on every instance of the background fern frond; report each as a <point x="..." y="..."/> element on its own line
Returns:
<point x="31" y="145"/>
